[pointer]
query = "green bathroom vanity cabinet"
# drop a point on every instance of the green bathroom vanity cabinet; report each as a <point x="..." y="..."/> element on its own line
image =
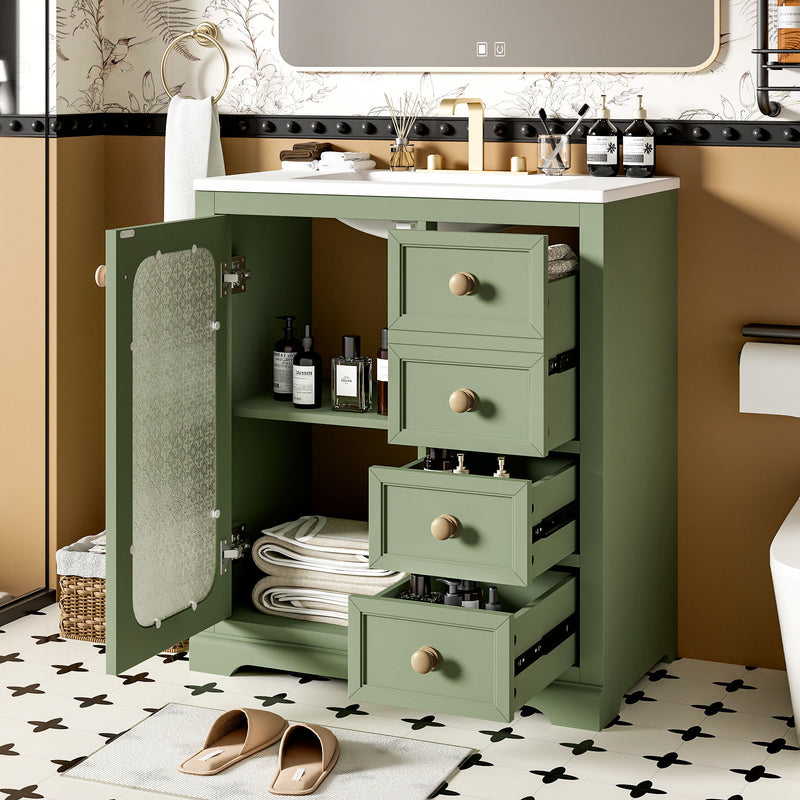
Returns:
<point x="574" y="379"/>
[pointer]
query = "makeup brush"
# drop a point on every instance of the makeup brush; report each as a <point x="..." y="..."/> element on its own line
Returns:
<point x="556" y="154"/>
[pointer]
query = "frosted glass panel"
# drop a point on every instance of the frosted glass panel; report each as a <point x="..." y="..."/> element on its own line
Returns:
<point x="174" y="433"/>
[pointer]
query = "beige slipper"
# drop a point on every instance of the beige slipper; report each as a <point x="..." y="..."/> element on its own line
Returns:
<point x="235" y="735"/>
<point x="307" y="756"/>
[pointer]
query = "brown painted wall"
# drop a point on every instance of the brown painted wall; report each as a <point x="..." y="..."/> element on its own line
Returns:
<point x="738" y="474"/>
<point x="22" y="360"/>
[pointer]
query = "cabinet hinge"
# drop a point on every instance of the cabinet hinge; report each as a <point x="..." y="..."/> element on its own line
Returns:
<point x="555" y="521"/>
<point x="234" y="280"/>
<point x="549" y="642"/>
<point x="236" y="549"/>
<point x="562" y="362"/>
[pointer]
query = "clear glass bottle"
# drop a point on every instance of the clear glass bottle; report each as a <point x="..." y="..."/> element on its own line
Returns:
<point x="351" y="378"/>
<point x="401" y="158"/>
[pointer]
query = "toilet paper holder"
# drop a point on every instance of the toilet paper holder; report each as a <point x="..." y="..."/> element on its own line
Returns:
<point x="766" y="330"/>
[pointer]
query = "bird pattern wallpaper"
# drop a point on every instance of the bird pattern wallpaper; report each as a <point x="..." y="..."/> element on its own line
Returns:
<point x="107" y="58"/>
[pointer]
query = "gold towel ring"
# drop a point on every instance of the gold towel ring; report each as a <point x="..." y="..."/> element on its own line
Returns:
<point x="205" y="34"/>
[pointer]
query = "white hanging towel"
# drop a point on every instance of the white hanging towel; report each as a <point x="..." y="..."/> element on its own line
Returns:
<point x="192" y="150"/>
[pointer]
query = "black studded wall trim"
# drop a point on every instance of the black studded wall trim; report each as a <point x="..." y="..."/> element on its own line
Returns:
<point x="429" y="129"/>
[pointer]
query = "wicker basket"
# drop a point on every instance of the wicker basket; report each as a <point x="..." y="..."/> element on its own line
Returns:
<point x="82" y="602"/>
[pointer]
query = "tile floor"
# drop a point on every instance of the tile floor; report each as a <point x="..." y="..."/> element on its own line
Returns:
<point x="690" y="729"/>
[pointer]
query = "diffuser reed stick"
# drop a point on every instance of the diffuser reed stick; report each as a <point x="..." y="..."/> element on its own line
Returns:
<point x="404" y="114"/>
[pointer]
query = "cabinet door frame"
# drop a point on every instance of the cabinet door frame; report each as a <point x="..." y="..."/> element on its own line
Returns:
<point x="128" y="642"/>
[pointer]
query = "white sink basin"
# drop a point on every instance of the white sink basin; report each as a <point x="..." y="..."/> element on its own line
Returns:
<point x="439" y="177"/>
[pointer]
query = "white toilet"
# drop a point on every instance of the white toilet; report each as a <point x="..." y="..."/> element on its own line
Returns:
<point x="784" y="561"/>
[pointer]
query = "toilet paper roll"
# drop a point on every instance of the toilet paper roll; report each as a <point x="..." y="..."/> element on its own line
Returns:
<point x="769" y="379"/>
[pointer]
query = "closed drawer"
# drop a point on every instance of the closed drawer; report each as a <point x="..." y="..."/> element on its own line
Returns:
<point x="490" y="663"/>
<point x="521" y="404"/>
<point x="499" y="530"/>
<point x="490" y="284"/>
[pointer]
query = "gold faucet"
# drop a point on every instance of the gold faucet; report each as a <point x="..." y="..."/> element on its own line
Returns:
<point x="447" y="108"/>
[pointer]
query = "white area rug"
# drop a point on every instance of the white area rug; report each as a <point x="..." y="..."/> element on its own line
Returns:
<point x="371" y="766"/>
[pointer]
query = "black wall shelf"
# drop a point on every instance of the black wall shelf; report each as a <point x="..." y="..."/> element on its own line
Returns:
<point x="429" y="129"/>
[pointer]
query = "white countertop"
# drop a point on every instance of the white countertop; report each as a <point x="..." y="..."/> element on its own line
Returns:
<point x="444" y="184"/>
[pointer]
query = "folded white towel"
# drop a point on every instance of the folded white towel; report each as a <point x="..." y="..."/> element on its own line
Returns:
<point x="192" y="150"/>
<point x="338" y="156"/>
<point x="347" y="166"/>
<point x="300" y="166"/>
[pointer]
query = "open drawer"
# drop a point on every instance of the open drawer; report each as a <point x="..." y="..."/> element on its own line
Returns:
<point x="473" y="662"/>
<point x="474" y="526"/>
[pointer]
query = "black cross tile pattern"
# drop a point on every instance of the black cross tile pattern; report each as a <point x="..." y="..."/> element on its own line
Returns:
<point x="171" y="658"/>
<point x="101" y="649"/>
<point x="788" y="720"/>
<point x="206" y="687"/>
<point x="48" y="725"/>
<point x="474" y="760"/>
<point x="735" y="685"/>
<point x="97" y="700"/>
<point x="528" y="711"/>
<point x="660" y="675"/>
<point x="275" y="699"/>
<point x="553" y="775"/>
<point x="64" y="669"/>
<point x="110" y="737"/>
<point x="668" y="760"/>
<point x="53" y="637"/>
<point x="443" y="791"/>
<point x="586" y="746"/>
<point x="637" y="697"/>
<point x="347" y="711"/>
<point x="714" y="708"/>
<point x="9" y="657"/>
<point x="640" y="789"/>
<point x="64" y="765"/>
<point x="695" y="732"/>
<point x="755" y="773"/>
<point x="304" y="677"/>
<point x="31" y="688"/>
<point x="8" y="749"/>
<point x="503" y="733"/>
<point x="618" y="721"/>
<point x="732" y="797"/>
<point x="25" y="793"/>
<point x="425" y="722"/>
<point x="139" y="677"/>
<point x="776" y="746"/>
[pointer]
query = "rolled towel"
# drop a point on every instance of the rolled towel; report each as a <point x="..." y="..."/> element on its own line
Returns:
<point x="300" y="166"/>
<point x="273" y="595"/>
<point x="337" y="156"/>
<point x="558" y="252"/>
<point x="346" y="166"/>
<point x="561" y="268"/>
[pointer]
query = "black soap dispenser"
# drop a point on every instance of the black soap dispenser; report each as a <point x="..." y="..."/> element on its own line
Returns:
<point x="639" y="147"/>
<point x="307" y="374"/>
<point x="283" y="354"/>
<point x="602" y="146"/>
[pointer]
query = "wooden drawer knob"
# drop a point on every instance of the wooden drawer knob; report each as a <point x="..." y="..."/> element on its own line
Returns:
<point x="425" y="660"/>
<point x="463" y="283"/>
<point x="100" y="276"/>
<point x="444" y="527"/>
<point x="463" y="400"/>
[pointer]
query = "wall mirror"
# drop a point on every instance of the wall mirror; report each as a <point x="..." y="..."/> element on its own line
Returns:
<point x="502" y="35"/>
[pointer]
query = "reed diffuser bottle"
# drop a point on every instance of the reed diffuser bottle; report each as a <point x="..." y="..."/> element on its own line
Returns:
<point x="404" y="114"/>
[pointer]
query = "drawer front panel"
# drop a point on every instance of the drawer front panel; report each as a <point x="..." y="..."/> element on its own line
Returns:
<point x="495" y="519"/>
<point x="510" y="273"/>
<point x="478" y="671"/>
<point x="513" y="394"/>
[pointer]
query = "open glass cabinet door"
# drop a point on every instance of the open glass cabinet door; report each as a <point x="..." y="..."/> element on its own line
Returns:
<point x="168" y="507"/>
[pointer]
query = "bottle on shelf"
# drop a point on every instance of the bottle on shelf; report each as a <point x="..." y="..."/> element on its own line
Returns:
<point x="382" y="373"/>
<point x="639" y="147"/>
<point x="351" y="378"/>
<point x="283" y="354"/>
<point x="438" y="460"/>
<point x="307" y="374"/>
<point x="461" y="467"/>
<point x="789" y="30"/>
<point x="501" y="471"/>
<point x="602" y="146"/>
<point x="471" y="594"/>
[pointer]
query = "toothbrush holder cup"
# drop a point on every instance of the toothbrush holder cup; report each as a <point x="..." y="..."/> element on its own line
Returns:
<point x="554" y="154"/>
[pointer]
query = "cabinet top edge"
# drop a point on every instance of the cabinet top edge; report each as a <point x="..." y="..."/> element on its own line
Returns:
<point x="442" y="185"/>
